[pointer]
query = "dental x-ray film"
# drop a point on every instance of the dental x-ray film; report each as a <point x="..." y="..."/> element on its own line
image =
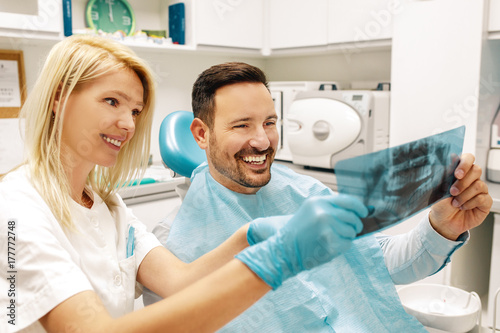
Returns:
<point x="398" y="182"/>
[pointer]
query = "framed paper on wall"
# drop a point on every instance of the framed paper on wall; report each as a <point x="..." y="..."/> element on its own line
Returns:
<point x="12" y="83"/>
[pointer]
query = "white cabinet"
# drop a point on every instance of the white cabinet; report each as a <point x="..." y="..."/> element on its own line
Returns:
<point x="223" y="23"/>
<point x="216" y="23"/>
<point x="329" y="23"/>
<point x="360" y="20"/>
<point x="494" y="274"/>
<point x="494" y="16"/>
<point x="44" y="20"/>
<point x="229" y="23"/>
<point x="434" y="77"/>
<point x="297" y="23"/>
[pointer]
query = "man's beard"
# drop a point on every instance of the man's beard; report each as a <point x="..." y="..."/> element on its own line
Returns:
<point x="238" y="173"/>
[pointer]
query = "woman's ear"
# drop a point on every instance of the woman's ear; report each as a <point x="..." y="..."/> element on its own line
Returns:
<point x="200" y="133"/>
<point x="57" y="100"/>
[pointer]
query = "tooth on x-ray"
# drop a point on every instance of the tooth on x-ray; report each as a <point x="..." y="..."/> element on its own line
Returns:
<point x="398" y="182"/>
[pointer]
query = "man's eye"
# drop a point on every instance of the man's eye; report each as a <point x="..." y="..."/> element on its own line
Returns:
<point x="240" y="126"/>
<point x="111" y="101"/>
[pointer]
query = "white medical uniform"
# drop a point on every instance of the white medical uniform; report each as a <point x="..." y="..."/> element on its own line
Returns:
<point x="53" y="264"/>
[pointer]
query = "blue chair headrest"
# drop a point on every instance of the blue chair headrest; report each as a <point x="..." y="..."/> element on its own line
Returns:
<point x="179" y="151"/>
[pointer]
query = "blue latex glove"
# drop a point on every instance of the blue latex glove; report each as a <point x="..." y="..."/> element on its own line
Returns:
<point x="263" y="228"/>
<point x="322" y="228"/>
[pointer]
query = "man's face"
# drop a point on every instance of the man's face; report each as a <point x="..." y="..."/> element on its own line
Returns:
<point x="243" y="141"/>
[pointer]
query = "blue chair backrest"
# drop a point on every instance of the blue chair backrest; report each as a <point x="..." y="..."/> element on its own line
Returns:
<point x="179" y="151"/>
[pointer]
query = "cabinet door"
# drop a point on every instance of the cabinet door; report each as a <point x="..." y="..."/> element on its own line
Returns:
<point x="360" y="20"/>
<point x="494" y="16"/>
<point x="494" y="275"/>
<point x="232" y="23"/>
<point x="46" y="20"/>
<point x="297" y="23"/>
<point x="434" y="78"/>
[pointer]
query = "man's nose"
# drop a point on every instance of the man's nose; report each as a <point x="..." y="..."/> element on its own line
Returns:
<point x="260" y="140"/>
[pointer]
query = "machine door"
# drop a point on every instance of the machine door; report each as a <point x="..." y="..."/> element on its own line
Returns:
<point x="319" y="128"/>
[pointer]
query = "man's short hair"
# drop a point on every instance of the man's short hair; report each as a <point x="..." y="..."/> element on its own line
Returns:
<point x="218" y="76"/>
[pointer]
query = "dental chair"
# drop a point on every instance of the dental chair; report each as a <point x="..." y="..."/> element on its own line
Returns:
<point x="181" y="154"/>
<point x="178" y="149"/>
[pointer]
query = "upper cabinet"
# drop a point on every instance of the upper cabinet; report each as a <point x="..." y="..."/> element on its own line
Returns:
<point x="219" y="23"/>
<point x="228" y="23"/>
<point x="256" y="26"/>
<point x="360" y="20"/>
<point x="297" y="23"/>
<point x="329" y="23"/>
<point x="494" y="17"/>
<point x="31" y="19"/>
<point x="436" y="69"/>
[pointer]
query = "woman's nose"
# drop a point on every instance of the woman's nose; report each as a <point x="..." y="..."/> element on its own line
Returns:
<point x="127" y="122"/>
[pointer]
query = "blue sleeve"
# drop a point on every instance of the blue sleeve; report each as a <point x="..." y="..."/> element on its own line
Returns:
<point x="418" y="253"/>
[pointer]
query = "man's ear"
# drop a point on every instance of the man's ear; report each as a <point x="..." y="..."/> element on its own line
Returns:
<point x="200" y="132"/>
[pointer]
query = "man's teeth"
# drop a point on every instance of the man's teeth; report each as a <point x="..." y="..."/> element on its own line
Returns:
<point x="112" y="141"/>
<point x="254" y="159"/>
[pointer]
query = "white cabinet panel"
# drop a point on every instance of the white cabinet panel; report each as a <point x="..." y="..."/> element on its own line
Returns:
<point x="232" y="23"/>
<point x="360" y="20"/>
<point x="494" y="16"/>
<point x="26" y="7"/>
<point x="494" y="274"/>
<point x="47" y="22"/>
<point x="297" y="23"/>
<point x="434" y="77"/>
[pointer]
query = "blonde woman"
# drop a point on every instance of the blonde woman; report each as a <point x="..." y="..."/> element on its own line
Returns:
<point x="77" y="255"/>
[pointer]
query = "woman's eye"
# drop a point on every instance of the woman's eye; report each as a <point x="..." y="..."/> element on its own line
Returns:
<point x="136" y="113"/>
<point x="111" y="101"/>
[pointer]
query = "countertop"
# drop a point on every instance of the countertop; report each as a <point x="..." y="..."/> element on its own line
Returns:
<point x="163" y="186"/>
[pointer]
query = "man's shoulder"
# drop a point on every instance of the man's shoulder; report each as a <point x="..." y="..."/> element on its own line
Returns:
<point x="284" y="177"/>
<point x="200" y="170"/>
<point x="284" y="171"/>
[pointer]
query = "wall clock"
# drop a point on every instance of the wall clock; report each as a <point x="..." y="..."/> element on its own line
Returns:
<point x="110" y="16"/>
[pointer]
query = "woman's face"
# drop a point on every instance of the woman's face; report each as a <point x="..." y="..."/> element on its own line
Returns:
<point x="100" y="118"/>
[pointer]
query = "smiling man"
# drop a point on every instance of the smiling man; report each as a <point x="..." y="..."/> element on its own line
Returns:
<point x="235" y="123"/>
<point x="240" y="138"/>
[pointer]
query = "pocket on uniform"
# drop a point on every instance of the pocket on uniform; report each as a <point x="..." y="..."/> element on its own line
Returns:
<point x="128" y="278"/>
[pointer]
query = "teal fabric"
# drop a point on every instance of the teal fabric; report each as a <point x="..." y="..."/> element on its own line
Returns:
<point x="352" y="293"/>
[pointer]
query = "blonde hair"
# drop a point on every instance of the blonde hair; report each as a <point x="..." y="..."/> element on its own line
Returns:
<point x="71" y="62"/>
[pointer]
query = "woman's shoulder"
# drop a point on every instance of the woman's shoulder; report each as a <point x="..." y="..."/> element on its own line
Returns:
<point x="16" y="183"/>
<point x="18" y="195"/>
<point x="21" y="201"/>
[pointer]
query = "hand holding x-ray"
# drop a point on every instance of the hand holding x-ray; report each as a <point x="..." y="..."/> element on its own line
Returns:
<point x="398" y="182"/>
<point x="469" y="205"/>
